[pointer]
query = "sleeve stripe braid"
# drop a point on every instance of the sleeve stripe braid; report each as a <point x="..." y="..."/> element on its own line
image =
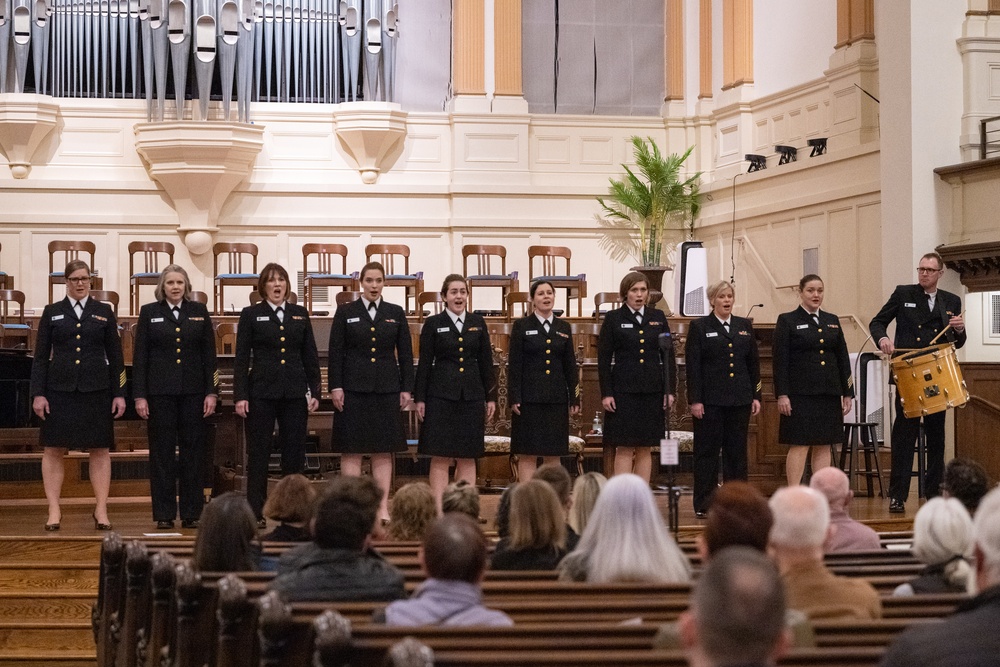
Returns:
<point x="121" y="379"/>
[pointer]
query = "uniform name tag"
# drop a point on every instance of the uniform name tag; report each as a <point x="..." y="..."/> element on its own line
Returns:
<point x="443" y="329"/>
<point x="530" y="333"/>
<point x="263" y="318"/>
<point x="910" y="305"/>
<point x="352" y="320"/>
<point x="802" y="326"/>
<point x="154" y="320"/>
<point x="711" y="334"/>
<point x="57" y="317"/>
<point x="626" y="325"/>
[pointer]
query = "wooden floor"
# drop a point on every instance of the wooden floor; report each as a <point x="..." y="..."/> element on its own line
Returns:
<point x="133" y="516"/>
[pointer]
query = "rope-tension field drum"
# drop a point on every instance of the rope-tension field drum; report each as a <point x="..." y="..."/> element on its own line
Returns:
<point x="929" y="380"/>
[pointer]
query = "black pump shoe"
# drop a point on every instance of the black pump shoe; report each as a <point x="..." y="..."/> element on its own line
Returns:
<point x="100" y="526"/>
<point x="52" y="526"/>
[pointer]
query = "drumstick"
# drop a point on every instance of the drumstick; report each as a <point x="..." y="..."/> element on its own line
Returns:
<point x="943" y="330"/>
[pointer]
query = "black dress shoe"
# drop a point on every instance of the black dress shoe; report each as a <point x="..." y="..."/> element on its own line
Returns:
<point x="100" y="526"/>
<point x="164" y="525"/>
<point x="262" y="523"/>
<point x="52" y="526"/>
<point x="896" y="506"/>
<point x="189" y="523"/>
<point x="701" y="514"/>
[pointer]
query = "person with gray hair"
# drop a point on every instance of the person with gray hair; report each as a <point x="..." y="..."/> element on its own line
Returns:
<point x="847" y="534"/>
<point x="968" y="637"/>
<point x="737" y="613"/>
<point x="801" y="528"/>
<point x="942" y="538"/>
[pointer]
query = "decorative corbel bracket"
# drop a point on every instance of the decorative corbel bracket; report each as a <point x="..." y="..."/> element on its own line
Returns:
<point x="25" y="120"/>
<point x="368" y="132"/>
<point x="198" y="164"/>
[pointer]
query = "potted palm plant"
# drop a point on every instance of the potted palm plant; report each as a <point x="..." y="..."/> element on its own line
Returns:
<point x="650" y="210"/>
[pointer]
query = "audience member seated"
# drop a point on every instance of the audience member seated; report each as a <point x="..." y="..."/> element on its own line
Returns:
<point x="942" y="539"/>
<point x="453" y="556"/>
<point x="412" y="512"/>
<point x="227" y="536"/>
<point x="586" y="488"/>
<point x="738" y="517"/>
<point x="801" y="527"/>
<point x="537" y="538"/>
<point x="737" y="612"/>
<point x="626" y="539"/>
<point x="291" y="504"/>
<point x="556" y="476"/>
<point x="461" y="497"/>
<point x="339" y="563"/>
<point x="846" y="533"/>
<point x="503" y="512"/>
<point x="969" y="637"/>
<point x="966" y="480"/>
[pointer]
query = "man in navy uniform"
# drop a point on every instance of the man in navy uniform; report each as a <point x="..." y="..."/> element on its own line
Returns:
<point x="921" y="311"/>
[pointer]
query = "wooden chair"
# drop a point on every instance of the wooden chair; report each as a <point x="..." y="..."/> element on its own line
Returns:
<point x="425" y="298"/>
<point x="522" y="299"/>
<point x="225" y="338"/>
<point x="6" y="280"/>
<point x="585" y="335"/>
<point x="484" y="276"/>
<point x="12" y="324"/>
<point x="106" y="296"/>
<point x="324" y="275"/>
<point x="199" y="297"/>
<point x="575" y="286"/>
<point x="602" y="298"/>
<point x="150" y="273"/>
<point x="413" y="283"/>
<point x="234" y="275"/>
<point x="345" y="297"/>
<point x="70" y="250"/>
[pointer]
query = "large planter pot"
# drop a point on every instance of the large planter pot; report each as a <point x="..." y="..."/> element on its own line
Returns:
<point x="654" y="275"/>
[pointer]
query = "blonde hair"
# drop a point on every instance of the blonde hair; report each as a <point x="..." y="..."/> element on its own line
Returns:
<point x="586" y="489"/>
<point x="536" y="517"/>
<point x="626" y="539"/>
<point x="715" y="289"/>
<point x="173" y="268"/>
<point x="461" y="497"/>
<point x="412" y="512"/>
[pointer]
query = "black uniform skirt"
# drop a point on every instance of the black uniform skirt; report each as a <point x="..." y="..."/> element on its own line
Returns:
<point x="636" y="422"/>
<point x="369" y="424"/>
<point x="453" y="428"/>
<point x="78" y="420"/>
<point x="815" y="420"/>
<point x="542" y="429"/>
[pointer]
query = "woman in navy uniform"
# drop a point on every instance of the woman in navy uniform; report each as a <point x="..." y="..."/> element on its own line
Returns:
<point x="635" y="352"/>
<point x="456" y="390"/>
<point x="78" y="389"/>
<point x="542" y="382"/>
<point x="175" y="384"/>
<point x="282" y="383"/>
<point x="723" y="386"/>
<point x="812" y="380"/>
<point x="370" y="379"/>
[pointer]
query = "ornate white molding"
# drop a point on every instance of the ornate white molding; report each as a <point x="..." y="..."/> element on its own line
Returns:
<point x="369" y="131"/>
<point x="25" y="120"/>
<point x="198" y="164"/>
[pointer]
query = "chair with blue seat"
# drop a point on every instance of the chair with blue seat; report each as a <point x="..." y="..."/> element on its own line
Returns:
<point x="575" y="286"/>
<point x="485" y="275"/>
<point x="324" y="275"/>
<point x="70" y="251"/>
<point x="150" y="272"/>
<point x="14" y="331"/>
<point x="234" y="276"/>
<point x="413" y="283"/>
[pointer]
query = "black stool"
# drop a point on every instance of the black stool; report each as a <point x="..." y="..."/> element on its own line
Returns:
<point x="921" y="461"/>
<point x="861" y="436"/>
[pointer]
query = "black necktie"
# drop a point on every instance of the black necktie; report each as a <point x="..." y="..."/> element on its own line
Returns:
<point x="545" y="325"/>
<point x="372" y="309"/>
<point x="458" y="324"/>
<point x="816" y="318"/>
<point x="280" y="312"/>
<point x="726" y="325"/>
<point x="638" y="317"/>
<point x="78" y="309"/>
<point x="177" y="312"/>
